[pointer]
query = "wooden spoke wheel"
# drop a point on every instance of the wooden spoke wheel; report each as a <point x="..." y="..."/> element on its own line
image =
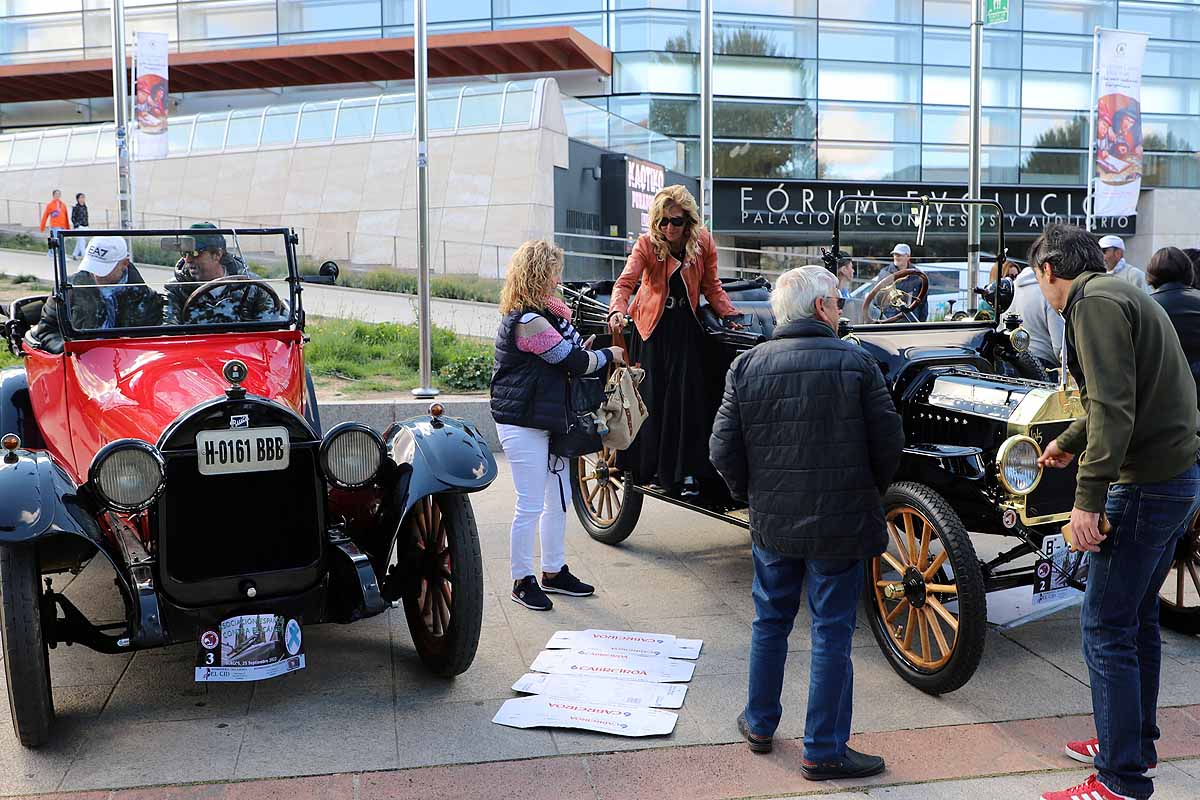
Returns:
<point x="26" y="658"/>
<point x="1179" y="598"/>
<point x="443" y="599"/>
<point x="924" y="594"/>
<point x="607" y="506"/>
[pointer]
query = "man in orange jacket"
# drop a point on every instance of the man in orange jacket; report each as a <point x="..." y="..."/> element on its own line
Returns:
<point x="57" y="217"/>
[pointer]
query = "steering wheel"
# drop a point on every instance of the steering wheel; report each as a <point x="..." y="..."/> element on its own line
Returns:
<point x="900" y="301"/>
<point x="244" y="284"/>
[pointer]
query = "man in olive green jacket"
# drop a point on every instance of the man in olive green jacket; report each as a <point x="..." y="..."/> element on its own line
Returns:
<point x="1137" y="449"/>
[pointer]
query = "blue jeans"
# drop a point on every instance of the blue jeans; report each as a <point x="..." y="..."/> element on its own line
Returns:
<point x="1121" y="641"/>
<point x="832" y="590"/>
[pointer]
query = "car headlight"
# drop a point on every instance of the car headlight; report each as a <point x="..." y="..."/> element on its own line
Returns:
<point x="352" y="455"/>
<point x="1020" y="340"/>
<point x="127" y="474"/>
<point x="1017" y="459"/>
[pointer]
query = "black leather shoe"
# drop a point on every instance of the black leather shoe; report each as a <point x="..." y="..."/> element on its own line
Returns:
<point x="853" y="765"/>
<point x="758" y="744"/>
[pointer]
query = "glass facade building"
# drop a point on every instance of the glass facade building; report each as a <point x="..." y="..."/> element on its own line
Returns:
<point x="837" y="90"/>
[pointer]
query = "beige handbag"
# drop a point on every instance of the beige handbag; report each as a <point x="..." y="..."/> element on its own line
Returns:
<point x="623" y="409"/>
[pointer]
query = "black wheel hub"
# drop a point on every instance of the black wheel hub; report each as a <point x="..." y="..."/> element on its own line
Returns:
<point x="914" y="587"/>
<point x="602" y="470"/>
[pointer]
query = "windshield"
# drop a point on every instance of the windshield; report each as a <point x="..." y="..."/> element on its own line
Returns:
<point x="178" y="281"/>
<point x="895" y="280"/>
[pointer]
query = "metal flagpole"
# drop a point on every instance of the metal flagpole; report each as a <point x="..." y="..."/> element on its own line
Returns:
<point x="421" y="63"/>
<point x="1091" y="162"/>
<point x="120" y="114"/>
<point x="706" y="110"/>
<point x="973" y="166"/>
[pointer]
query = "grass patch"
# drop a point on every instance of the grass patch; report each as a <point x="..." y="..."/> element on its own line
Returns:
<point x="22" y="241"/>
<point x="450" y="287"/>
<point x="361" y="357"/>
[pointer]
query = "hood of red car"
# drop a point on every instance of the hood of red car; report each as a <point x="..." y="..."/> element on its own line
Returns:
<point x="135" y="388"/>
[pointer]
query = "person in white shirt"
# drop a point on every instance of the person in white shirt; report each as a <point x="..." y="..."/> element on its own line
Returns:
<point x="1115" y="263"/>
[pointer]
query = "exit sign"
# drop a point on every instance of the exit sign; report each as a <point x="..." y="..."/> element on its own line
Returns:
<point x="997" y="11"/>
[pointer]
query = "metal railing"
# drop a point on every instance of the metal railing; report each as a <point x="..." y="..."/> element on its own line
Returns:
<point x="471" y="108"/>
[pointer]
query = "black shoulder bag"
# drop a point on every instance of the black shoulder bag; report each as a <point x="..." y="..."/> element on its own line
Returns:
<point x="585" y="394"/>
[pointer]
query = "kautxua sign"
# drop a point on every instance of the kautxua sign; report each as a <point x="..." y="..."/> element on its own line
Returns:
<point x="772" y="206"/>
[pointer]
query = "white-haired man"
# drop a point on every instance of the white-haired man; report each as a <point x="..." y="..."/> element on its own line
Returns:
<point x="808" y="434"/>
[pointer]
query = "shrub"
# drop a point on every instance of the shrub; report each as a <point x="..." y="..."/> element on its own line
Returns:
<point x="22" y="241"/>
<point x="468" y="374"/>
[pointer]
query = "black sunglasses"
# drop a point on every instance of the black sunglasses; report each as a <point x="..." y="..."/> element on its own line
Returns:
<point x="841" y="302"/>
<point x="678" y="222"/>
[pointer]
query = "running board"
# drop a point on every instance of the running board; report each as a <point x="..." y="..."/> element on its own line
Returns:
<point x="739" y="517"/>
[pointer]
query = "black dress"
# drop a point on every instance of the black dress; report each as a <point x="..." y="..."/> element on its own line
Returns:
<point x="677" y="390"/>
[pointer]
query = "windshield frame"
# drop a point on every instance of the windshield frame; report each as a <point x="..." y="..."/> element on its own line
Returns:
<point x="924" y="201"/>
<point x="293" y="321"/>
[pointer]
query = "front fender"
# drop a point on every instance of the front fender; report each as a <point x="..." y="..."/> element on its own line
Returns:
<point x="444" y="454"/>
<point x="39" y="499"/>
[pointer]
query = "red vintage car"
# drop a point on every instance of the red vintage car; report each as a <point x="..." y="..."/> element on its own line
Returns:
<point x="167" y="424"/>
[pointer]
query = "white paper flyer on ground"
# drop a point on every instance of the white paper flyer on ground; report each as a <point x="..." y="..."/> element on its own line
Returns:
<point x="603" y="691"/>
<point x="632" y="642"/>
<point x="601" y="664"/>
<point x="549" y="712"/>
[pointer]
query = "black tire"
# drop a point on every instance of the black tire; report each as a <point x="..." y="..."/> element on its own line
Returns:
<point x="443" y="598"/>
<point x="312" y="412"/>
<point x="1027" y="367"/>
<point x="605" y="502"/>
<point x="26" y="658"/>
<point x="946" y="560"/>
<point x="1179" y="598"/>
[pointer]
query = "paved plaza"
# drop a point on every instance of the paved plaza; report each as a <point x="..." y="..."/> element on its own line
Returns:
<point x="365" y="707"/>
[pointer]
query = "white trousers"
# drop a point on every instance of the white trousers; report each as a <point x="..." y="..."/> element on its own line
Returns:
<point x="538" y="499"/>
<point x="80" y="245"/>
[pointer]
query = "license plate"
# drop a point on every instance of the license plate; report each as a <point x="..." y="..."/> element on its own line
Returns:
<point x="244" y="450"/>
<point x="251" y="647"/>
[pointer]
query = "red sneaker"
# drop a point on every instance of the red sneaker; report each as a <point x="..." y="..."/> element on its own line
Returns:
<point x="1091" y="789"/>
<point x="1085" y="752"/>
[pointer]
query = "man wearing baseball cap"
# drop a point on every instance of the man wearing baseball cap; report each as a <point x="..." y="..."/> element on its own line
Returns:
<point x="209" y="260"/>
<point x="107" y="292"/>
<point x="902" y="260"/>
<point x="1113" y="248"/>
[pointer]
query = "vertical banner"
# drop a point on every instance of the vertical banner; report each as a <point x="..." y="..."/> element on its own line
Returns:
<point x="150" y="94"/>
<point x="1117" y="147"/>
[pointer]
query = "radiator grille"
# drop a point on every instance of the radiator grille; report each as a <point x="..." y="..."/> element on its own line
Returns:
<point x="221" y="526"/>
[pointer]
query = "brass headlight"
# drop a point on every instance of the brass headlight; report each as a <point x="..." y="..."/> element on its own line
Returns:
<point x="1016" y="460"/>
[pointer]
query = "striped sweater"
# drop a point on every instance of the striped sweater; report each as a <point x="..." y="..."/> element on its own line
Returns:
<point x="556" y="343"/>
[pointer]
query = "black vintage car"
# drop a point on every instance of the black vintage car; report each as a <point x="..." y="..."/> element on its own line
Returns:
<point x="188" y="453"/>
<point x="977" y="411"/>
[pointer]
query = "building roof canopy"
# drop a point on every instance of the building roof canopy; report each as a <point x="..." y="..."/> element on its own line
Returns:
<point x="451" y="55"/>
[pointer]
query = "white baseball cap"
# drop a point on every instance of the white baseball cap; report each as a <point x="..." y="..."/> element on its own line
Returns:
<point x="103" y="254"/>
<point x="1111" y="241"/>
<point x="902" y="250"/>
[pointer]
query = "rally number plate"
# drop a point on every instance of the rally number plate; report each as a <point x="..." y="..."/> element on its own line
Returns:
<point x="242" y="450"/>
<point x="251" y="647"/>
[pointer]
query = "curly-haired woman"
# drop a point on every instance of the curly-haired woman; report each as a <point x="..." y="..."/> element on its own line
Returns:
<point x="536" y="348"/>
<point x="675" y="263"/>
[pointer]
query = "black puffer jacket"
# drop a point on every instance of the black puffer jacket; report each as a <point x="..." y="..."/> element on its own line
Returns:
<point x="807" y="431"/>
<point x="526" y="391"/>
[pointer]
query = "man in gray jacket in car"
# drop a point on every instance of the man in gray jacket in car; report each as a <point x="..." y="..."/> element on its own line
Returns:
<point x="1044" y="324"/>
